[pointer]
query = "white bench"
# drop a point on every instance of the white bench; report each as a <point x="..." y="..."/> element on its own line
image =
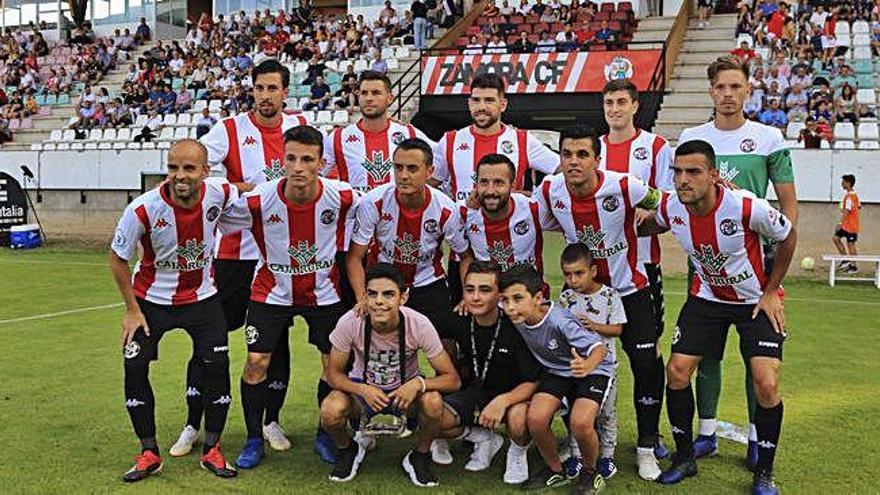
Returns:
<point x="862" y="259"/>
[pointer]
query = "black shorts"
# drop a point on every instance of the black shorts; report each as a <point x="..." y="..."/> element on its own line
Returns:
<point x="702" y="328"/>
<point x="454" y="281"/>
<point x="234" y="278"/>
<point x="704" y="3"/>
<point x="266" y="323"/>
<point x="849" y="236"/>
<point x="345" y="289"/>
<point x="203" y="321"/>
<point x="467" y="403"/>
<point x="593" y="387"/>
<point x="433" y="301"/>
<point x="640" y="332"/>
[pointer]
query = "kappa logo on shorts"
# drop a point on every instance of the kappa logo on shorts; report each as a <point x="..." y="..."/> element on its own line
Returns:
<point x="132" y="349"/>
<point x="223" y="400"/>
<point x="521" y="227"/>
<point x="676" y="336"/>
<point x="728" y="227"/>
<point x="213" y="213"/>
<point x="596" y="390"/>
<point x="610" y="204"/>
<point x="431" y="226"/>
<point x="328" y="216"/>
<point x="649" y="345"/>
<point x="131" y="403"/>
<point x="772" y="345"/>
<point x="640" y="153"/>
<point x="251" y="334"/>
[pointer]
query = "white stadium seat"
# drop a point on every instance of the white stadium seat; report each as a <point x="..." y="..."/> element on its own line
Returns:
<point x="332" y="65"/>
<point x="55" y="135"/>
<point x="866" y="96"/>
<point x="62" y="146"/>
<point x="824" y="145"/>
<point x="301" y="67"/>
<point x="793" y="144"/>
<point x="184" y="119"/>
<point x="109" y="135"/>
<point x="192" y="133"/>
<point x="105" y="145"/>
<point x="134" y="146"/>
<point x="326" y="129"/>
<point x="403" y="52"/>
<point x="869" y="145"/>
<point x="119" y="145"/>
<point x="794" y="129"/>
<point x="387" y="52"/>
<point x="49" y="147"/>
<point x="360" y="65"/>
<point x="77" y="145"/>
<point x="861" y="27"/>
<point x="123" y="134"/>
<point x="868" y="131"/>
<point x="36" y="146"/>
<point x="842" y="27"/>
<point x="844" y="145"/>
<point x="180" y="133"/>
<point x="151" y="146"/>
<point x="170" y="119"/>
<point x="141" y="121"/>
<point x="309" y="115"/>
<point x="844" y="130"/>
<point x="96" y="135"/>
<point x="861" y="40"/>
<point x="69" y="135"/>
<point x="215" y="105"/>
<point x="162" y="145"/>
<point x="167" y="134"/>
<point x="393" y="63"/>
<point x="90" y="146"/>
<point x="324" y="117"/>
<point x="200" y="105"/>
<point x="862" y="53"/>
<point x="340" y="117"/>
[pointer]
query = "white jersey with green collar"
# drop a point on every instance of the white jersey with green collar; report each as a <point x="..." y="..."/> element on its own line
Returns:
<point x="750" y="157"/>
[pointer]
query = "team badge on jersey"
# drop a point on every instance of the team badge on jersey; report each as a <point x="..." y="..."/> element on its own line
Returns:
<point x="431" y="226"/>
<point x="747" y="145"/>
<point x="251" y="335"/>
<point x="521" y="227"/>
<point x="119" y="239"/>
<point x="640" y="153"/>
<point x="131" y="350"/>
<point x="728" y="227"/>
<point x="397" y="138"/>
<point x="610" y="204"/>
<point x="213" y="213"/>
<point x="378" y="167"/>
<point x="501" y="254"/>
<point x="274" y="170"/>
<point x="328" y="216"/>
<point x="507" y="147"/>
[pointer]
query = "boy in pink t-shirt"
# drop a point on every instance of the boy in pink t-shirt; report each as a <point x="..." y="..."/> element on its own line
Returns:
<point x="385" y="343"/>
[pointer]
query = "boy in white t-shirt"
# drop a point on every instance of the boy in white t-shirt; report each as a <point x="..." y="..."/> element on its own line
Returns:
<point x="599" y="309"/>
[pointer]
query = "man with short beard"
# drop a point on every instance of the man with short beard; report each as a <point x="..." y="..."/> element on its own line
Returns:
<point x="361" y="153"/>
<point x="248" y="150"/>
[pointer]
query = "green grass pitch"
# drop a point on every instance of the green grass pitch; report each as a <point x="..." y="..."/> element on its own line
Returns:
<point x="64" y="429"/>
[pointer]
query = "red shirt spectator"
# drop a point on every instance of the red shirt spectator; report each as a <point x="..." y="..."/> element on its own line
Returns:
<point x="744" y="53"/>
<point x="776" y="24"/>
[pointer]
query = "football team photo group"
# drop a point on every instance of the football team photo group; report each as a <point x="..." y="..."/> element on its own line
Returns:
<point x="418" y="268"/>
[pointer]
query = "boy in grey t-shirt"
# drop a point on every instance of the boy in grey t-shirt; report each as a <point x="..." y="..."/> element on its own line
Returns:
<point x="600" y="310"/>
<point x="577" y="369"/>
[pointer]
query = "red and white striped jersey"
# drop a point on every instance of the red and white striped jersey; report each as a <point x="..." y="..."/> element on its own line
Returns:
<point x="648" y="157"/>
<point x="363" y="158"/>
<point x="177" y="243"/>
<point x="297" y="243"/>
<point x="515" y="240"/>
<point x="725" y="245"/>
<point x="410" y="239"/>
<point x="244" y="151"/>
<point x="458" y="153"/>
<point x="605" y="221"/>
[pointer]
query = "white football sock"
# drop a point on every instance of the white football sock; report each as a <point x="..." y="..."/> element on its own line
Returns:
<point x="708" y="426"/>
<point x="753" y="433"/>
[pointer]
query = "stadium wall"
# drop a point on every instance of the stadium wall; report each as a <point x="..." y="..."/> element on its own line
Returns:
<point x="82" y="194"/>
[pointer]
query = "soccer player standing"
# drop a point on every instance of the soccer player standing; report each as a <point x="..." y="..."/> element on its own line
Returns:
<point x="598" y="208"/>
<point x="247" y="149"/>
<point x="407" y="223"/>
<point x="721" y="230"/>
<point x="848" y="227"/>
<point x="173" y="287"/>
<point x="298" y="223"/>
<point x="361" y="153"/>
<point x="750" y="155"/>
<point x="630" y="150"/>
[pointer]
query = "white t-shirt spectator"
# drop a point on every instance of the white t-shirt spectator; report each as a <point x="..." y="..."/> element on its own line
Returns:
<point x="175" y="65"/>
<point x="546" y="46"/>
<point x="818" y="18"/>
<point x="499" y="47"/>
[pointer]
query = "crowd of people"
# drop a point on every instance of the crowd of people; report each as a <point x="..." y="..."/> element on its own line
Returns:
<point x="803" y="68"/>
<point x="549" y="27"/>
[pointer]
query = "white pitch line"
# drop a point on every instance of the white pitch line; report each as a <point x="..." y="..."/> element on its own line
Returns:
<point x="61" y="313"/>
<point x="804" y="299"/>
<point x="48" y="262"/>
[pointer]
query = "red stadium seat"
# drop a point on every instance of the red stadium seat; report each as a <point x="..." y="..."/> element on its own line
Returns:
<point x="482" y="21"/>
<point x="583" y="15"/>
<point x="602" y="16"/>
<point x="474" y="30"/>
<point x="534" y="38"/>
<point x="607" y="7"/>
<point x="512" y="39"/>
<point x="541" y="27"/>
<point x="517" y="19"/>
<point x="557" y="27"/>
<point x="532" y="18"/>
<point x="615" y="26"/>
<point x="462" y="41"/>
<point x="525" y="27"/>
<point x="598" y="47"/>
<point x="621" y="15"/>
<point x="625" y="6"/>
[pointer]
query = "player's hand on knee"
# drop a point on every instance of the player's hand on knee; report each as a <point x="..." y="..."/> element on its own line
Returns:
<point x="771" y="305"/>
<point x="579" y="367"/>
<point x="403" y="396"/>
<point x="492" y="415"/>
<point x="131" y="322"/>
<point x="374" y="397"/>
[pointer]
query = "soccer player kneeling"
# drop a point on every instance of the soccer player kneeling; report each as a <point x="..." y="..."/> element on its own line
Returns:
<point x="578" y="369"/>
<point x="173" y="287"/>
<point x="721" y="231"/>
<point x="385" y="379"/>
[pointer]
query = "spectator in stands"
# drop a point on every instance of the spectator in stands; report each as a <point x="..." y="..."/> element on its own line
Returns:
<point x="316" y="68"/>
<point x="118" y="114"/>
<point x="420" y="24"/>
<point x="538" y="8"/>
<point x="774" y="93"/>
<point x="606" y="35"/>
<point x="143" y="34"/>
<point x="167" y="99"/>
<point x="774" y="76"/>
<point x="345" y="98"/>
<point x="560" y="36"/>
<point x="320" y="95"/>
<point x="474" y="47"/>
<point x="205" y="123"/>
<point x="99" y="119"/>
<point x="491" y="10"/>
<point x="522" y="44"/>
<point x="810" y="135"/>
<point x="545" y="44"/>
<point x="5" y="132"/>
<point x="845" y="76"/>
<point x="847" y="105"/>
<point x="86" y="114"/>
<point x="704" y="8"/>
<point x="744" y="52"/>
<point x="184" y="101"/>
<point x="754" y="104"/>
<point x="506" y="9"/>
<point x="175" y="64"/>
<point x="496" y="45"/>
<point x="801" y="78"/>
<point x="378" y="64"/>
<point x="823" y="113"/>
<point x="796" y="104"/>
<point x="774" y="116"/>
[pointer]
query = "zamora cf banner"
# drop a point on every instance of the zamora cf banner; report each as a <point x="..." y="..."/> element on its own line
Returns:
<point x="580" y="72"/>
